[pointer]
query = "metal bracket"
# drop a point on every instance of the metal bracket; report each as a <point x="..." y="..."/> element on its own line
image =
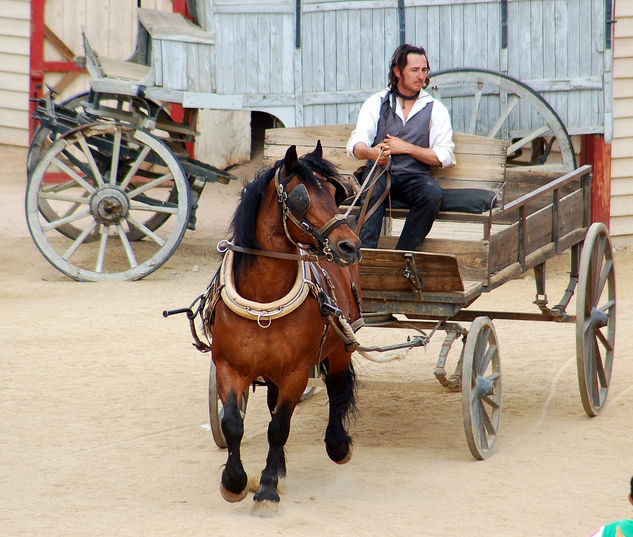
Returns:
<point x="454" y="382"/>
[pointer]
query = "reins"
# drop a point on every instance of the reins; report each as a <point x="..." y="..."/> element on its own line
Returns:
<point x="225" y="245"/>
<point x="364" y="213"/>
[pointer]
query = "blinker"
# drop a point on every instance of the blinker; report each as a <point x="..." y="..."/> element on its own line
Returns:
<point x="299" y="200"/>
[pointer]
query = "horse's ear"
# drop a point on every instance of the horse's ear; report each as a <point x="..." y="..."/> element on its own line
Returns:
<point x="291" y="158"/>
<point x="318" y="150"/>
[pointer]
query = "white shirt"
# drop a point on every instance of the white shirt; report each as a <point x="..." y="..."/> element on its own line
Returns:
<point x="440" y="137"/>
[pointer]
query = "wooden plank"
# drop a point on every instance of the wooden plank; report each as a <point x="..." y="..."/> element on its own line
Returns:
<point x="13" y="63"/>
<point x="172" y="27"/>
<point x="13" y="100"/>
<point x="14" y="27"/>
<point x="13" y="118"/>
<point x="384" y="270"/>
<point x="124" y="70"/>
<point x="15" y="9"/>
<point x="174" y="64"/>
<point x="14" y="136"/>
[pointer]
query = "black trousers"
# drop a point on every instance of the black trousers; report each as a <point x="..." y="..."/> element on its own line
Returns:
<point x="424" y="197"/>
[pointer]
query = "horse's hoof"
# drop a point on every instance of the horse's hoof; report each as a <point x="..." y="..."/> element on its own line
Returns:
<point x="232" y="497"/>
<point x="347" y="457"/>
<point x="265" y="508"/>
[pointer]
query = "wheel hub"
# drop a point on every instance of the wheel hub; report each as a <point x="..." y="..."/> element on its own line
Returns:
<point x="109" y="205"/>
<point x="599" y="319"/>
<point x="484" y="387"/>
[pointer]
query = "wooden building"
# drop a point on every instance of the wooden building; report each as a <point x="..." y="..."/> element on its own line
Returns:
<point x="327" y="76"/>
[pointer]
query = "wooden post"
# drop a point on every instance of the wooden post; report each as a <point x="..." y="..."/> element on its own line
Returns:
<point x="36" y="82"/>
<point x="178" y="113"/>
<point x="597" y="153"/>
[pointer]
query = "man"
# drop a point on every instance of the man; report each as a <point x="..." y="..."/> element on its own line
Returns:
<point x="621" y="528"/>
<point x="414" y="131"/>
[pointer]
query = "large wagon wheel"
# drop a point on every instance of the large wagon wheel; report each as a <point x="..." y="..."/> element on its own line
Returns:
<point x="495" y="105"/>
<point x="216" y="410"/>
<point x="138" y="111"/>
<point x="481" y="388"/>
<point x="114" y="177"/>
<point x="595" y="318"/>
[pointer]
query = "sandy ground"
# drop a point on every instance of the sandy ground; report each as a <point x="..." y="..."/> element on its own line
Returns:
<point x="105" y="424"/>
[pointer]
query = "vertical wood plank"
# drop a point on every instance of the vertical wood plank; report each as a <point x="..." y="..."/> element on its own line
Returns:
<point x="365" y="52"/>
<point x="237" y="73"/>
<point x="276" y="53"/>
<point x="252" y="71"/>
<point x="354" y="47"/>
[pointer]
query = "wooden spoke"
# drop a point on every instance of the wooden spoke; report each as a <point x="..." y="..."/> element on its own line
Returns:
<point x="152" y="184"/>
<point x="116" y="149"/>
<point x="474" y="113"/>
<point x="135" y="167"/>
<point x="103" y="243"/>
<point x="61" y="221"/>
<point x="129" y="253"/>
<point x="96" y="173"/>
<point x="72" y="173"/>
<point x="79" y="241"/>
<point x="146" y="231"/>
<point x="512" y="102"/>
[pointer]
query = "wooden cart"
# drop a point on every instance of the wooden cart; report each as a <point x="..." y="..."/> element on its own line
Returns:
<point x="540" y="212"/>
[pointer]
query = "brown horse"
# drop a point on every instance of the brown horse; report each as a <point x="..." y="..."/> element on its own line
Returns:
<point x="282" y="308"/>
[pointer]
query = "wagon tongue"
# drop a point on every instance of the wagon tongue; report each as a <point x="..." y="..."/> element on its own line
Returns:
<point x="205" y="172"/>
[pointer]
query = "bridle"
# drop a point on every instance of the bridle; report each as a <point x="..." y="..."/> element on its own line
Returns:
<point x="293" y="205"/>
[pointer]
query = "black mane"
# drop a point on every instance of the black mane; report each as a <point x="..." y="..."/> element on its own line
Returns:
<point x="243" y="224"/>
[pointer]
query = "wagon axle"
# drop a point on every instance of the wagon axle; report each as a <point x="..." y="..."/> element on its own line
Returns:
<point x="109" y="205"/>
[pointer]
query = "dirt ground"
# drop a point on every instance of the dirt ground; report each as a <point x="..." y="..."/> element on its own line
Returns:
<point x="105" y="422"/>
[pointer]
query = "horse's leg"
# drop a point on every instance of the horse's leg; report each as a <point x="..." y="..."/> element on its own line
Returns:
<point x="286" y="397"/>
<point x="271" y="397"/>
<point x="234" y="478"/>
<point x="340" y="383"/>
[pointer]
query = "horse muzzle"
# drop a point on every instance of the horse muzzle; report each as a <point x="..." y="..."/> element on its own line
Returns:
<point x="345" y="252"/>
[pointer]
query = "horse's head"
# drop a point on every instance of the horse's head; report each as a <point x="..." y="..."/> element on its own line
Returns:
<point x="309" y="190"/>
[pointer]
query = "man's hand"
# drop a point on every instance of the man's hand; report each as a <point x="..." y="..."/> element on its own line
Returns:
<point x="361" y="151"/>
<point x="397" y="146"/>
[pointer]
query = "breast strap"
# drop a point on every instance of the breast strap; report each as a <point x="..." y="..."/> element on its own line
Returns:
<point x="262" y="312"/>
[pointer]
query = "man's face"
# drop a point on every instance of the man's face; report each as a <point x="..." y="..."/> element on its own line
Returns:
<point x="412" y="77"/>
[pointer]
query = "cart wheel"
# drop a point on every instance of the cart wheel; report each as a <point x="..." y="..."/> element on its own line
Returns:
<point x="595" y="318"/>
<point x="492" y="104"/>
<point x="110" y="178"/>
<point x="216" y="410"/>
<point x="481" y="388"/>
<point x="138" y="110"/>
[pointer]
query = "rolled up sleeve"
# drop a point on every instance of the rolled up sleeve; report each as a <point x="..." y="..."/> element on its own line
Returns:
<point x="366" y="124"/>
<point x="441" y="135"/>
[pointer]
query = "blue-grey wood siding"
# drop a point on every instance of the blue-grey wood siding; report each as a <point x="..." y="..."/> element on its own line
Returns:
<point x="555" y="46"/>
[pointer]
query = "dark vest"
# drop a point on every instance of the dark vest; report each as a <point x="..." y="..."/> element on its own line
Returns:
<point x="414" y="131"/>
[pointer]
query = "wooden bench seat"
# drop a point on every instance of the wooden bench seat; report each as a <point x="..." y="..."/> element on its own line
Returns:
<point x="480" y="160"/>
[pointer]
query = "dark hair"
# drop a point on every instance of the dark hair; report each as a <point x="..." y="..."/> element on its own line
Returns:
<point x="632" y="487"/>
<point x="399" y="61"/>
